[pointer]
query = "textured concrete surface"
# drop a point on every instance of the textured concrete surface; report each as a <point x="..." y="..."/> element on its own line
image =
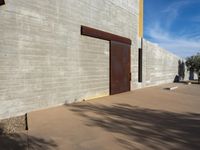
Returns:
<point x="45" y="62"/>
<point x="150" y="119"/>
<point x="159" y="66"/>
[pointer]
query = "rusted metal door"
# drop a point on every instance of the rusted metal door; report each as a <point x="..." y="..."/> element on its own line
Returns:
<point x="120" y="76"/>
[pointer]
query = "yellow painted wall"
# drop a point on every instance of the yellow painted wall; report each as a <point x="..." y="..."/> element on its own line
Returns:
<point x="141" y="8"/>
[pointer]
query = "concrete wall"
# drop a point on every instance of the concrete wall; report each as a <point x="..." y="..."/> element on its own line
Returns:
<point x="159" y="65"/>
<point x="44" y="61"/>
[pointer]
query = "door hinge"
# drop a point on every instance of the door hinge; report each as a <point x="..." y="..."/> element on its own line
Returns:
<point x="130" y="76"/>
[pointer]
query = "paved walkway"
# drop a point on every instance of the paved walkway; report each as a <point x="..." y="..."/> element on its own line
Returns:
<point x="148" y="119"/>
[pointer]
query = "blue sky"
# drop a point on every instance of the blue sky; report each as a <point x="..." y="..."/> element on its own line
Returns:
<point x="173" y="25"/>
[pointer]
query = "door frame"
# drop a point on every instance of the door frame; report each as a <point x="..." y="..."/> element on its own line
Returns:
<point x="95" y="33"/>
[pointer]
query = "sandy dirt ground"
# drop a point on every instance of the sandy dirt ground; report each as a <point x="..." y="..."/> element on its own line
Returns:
<point x="148" y="119"/>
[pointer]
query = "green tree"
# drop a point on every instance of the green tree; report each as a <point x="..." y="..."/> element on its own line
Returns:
<point x="193" y="64"/>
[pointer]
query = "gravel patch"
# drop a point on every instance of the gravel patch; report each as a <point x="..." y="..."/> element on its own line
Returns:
<point x="12" y="125"/>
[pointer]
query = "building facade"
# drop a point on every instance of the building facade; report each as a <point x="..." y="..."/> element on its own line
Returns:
<point x="54" y="52"/>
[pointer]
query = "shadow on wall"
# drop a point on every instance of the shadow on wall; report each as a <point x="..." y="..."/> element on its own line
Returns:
<point x="181" y="72"/>
<point x="23" y="142"/>
<point x="152" y="129"/>
<point x="191" y="75"/>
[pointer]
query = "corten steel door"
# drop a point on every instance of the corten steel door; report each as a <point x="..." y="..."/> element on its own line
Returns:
<point x="119" y="67"/>
<point x="120" y="57"/>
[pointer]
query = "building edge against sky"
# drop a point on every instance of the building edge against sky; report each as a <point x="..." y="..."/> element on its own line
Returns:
<point x="141" y="16"/>
<point x="47" y="59"/>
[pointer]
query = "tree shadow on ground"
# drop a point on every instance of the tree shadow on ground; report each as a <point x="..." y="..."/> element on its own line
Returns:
<point x="20" y="141"/>
<point x="154" y="129"/>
